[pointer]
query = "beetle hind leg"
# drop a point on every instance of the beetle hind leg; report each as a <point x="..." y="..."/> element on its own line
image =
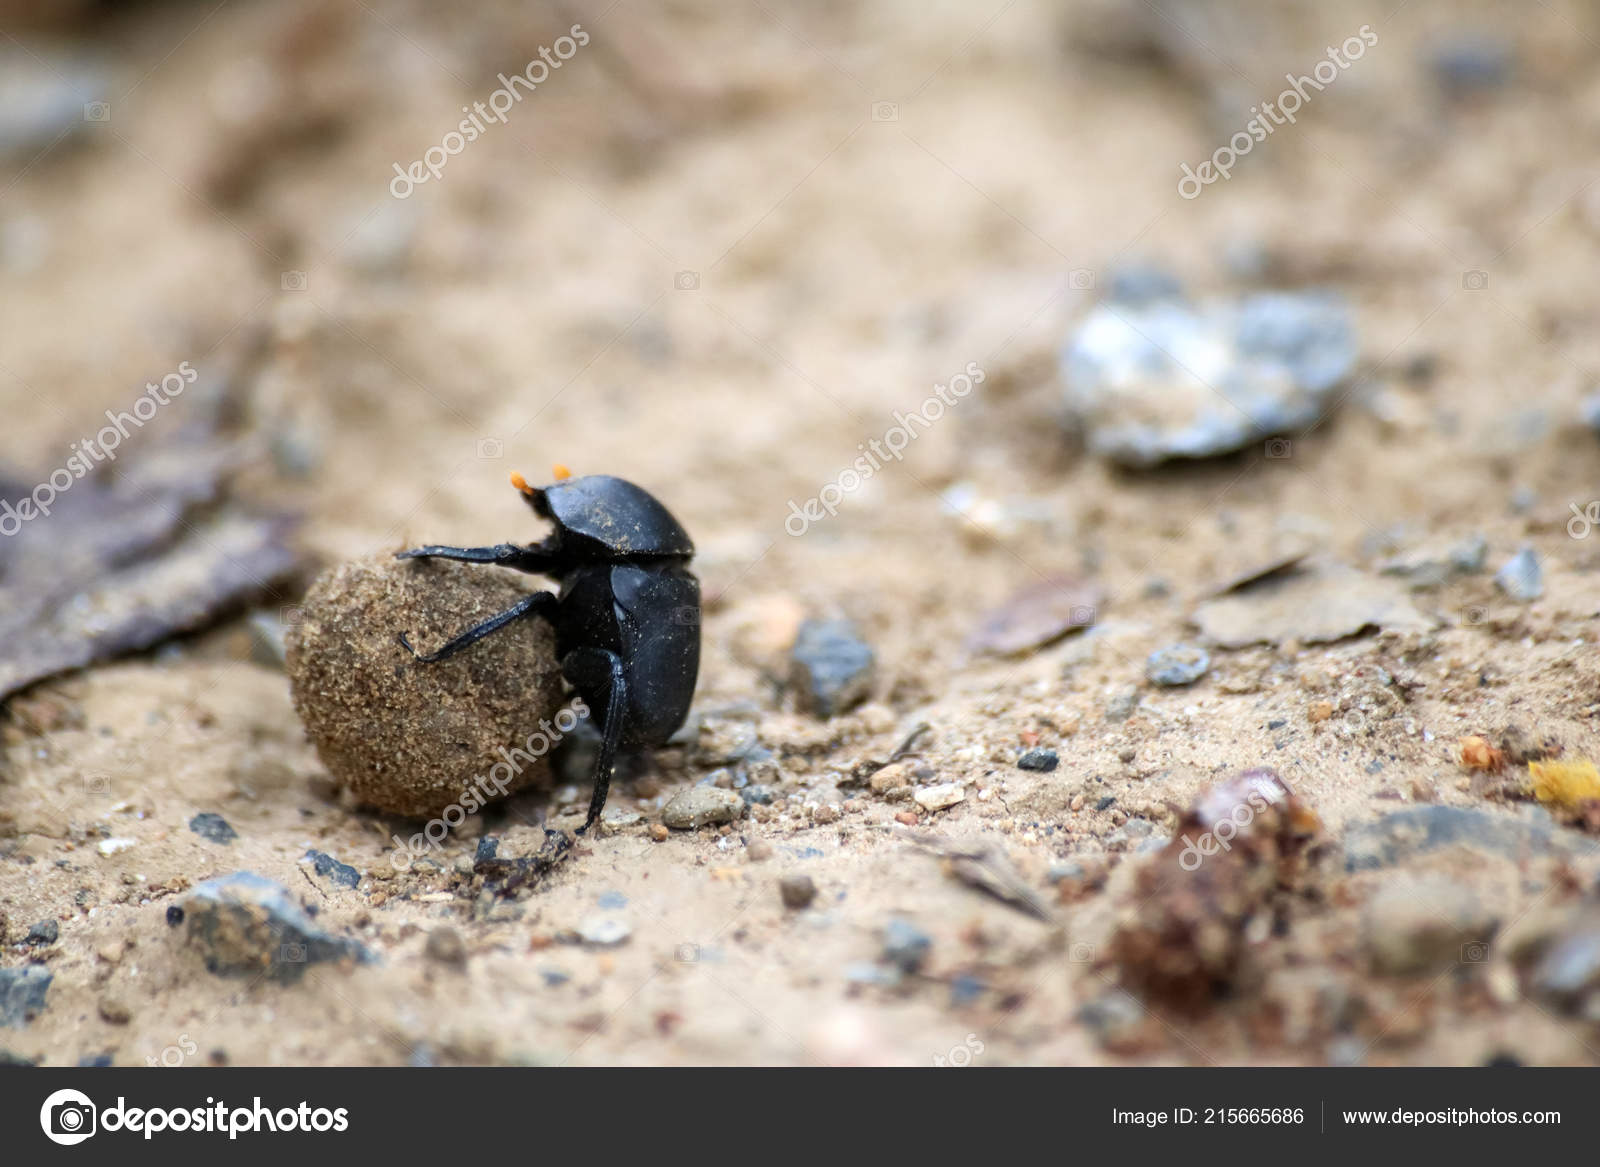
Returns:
<point x="598" y="671"/>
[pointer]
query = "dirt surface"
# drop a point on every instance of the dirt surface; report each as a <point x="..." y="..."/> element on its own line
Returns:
<point x="715" y="252"/>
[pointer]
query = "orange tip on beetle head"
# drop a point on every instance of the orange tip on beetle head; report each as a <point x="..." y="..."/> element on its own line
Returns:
<point x="521" y="483"/>
<point x="560" y="472"/>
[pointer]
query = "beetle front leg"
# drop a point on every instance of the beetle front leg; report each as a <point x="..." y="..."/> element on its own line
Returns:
<point x="530" y="559"/>
<point x="533" y="604"/>
<point x="598" y="673"/>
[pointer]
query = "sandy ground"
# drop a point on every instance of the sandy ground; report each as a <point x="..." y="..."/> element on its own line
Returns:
<point x="713" y="253"/>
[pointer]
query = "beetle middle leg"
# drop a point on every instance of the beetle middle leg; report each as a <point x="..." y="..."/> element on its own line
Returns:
<point x="533" y="604"/>
<point x="598" y="671"/>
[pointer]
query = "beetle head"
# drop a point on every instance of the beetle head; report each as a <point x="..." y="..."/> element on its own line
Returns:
<point x="601" y="517"/>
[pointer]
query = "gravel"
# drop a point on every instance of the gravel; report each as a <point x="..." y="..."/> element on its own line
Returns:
<point x="1177" y="664"/>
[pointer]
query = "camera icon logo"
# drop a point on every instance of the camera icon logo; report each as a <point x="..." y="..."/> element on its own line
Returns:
<point x="687" y="954"/>
<point x="97" y="111"/>
<point x="489" y="448"/>
<point x="1083" y="615"/>
<point x="1474" y="952"/>
<point x="686" y="281"/>
<point x="1474" y="614"/>
<point x="96" y="785"/>
<point x="1279" y="449"/>
<point x="68" y="1117"/>
<point x="294" y="281"/>
<point x="291" y="614"/>
<point x="688" y="615"/>
<point x="1081" y="279"/>
<point x="885" y="111"/>
<point x="1081" y="953"/>
<point x="292" y="953"/>
<point x="1474" y="281"/>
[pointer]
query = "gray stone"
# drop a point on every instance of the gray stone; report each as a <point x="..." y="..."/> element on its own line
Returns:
<point x="905" y="945"/>
<point x="1038" y="758"/>
<point x="213" y="827"/>
<point x="1155" y="381"/>
<point x="245" y="925"/>
<point x="1177" y="664"/>
<point x="45" y="932"/>
<point x="329" y="868"/>
<point x="1397" y="837"/>
<point x="1521" y="578"/>
<point x="22" y="993"/>
<point x="831" y="667"/>
<point x="1433" y="565"/>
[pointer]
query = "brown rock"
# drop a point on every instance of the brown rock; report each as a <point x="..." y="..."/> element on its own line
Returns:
<point x="797" y="891"/>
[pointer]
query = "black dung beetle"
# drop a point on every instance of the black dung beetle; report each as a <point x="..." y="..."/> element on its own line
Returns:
<point x="627" y="618"/>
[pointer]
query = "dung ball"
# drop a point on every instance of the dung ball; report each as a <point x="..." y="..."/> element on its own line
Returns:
<point x="415" y="738"/>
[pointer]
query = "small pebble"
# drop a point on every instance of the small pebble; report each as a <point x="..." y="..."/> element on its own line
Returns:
<point x="947" y="794"/>
<point x="1465" y="63"/>
<point x="329" y="868"/>
<point x="115" y="1011"/>
<point x="701" y="805"/>
<point x="445" y="946"/>
<point x="213" y="827"/>
<point x="659" y="833"/>
<point x="44" y="932"/>
<point x="797" y="891"/>
<point x="826" y="813"/>
<point x="1121" y="707"/>
<point x="758" y="851"/>
<point x="1177" y="664"/>
<point x="1521" y="578"/>
<point x="889" y="777"/>
<point x="604" y="931"/>
<point x="1038" y="758"/>
<point x="905" y="945"/>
